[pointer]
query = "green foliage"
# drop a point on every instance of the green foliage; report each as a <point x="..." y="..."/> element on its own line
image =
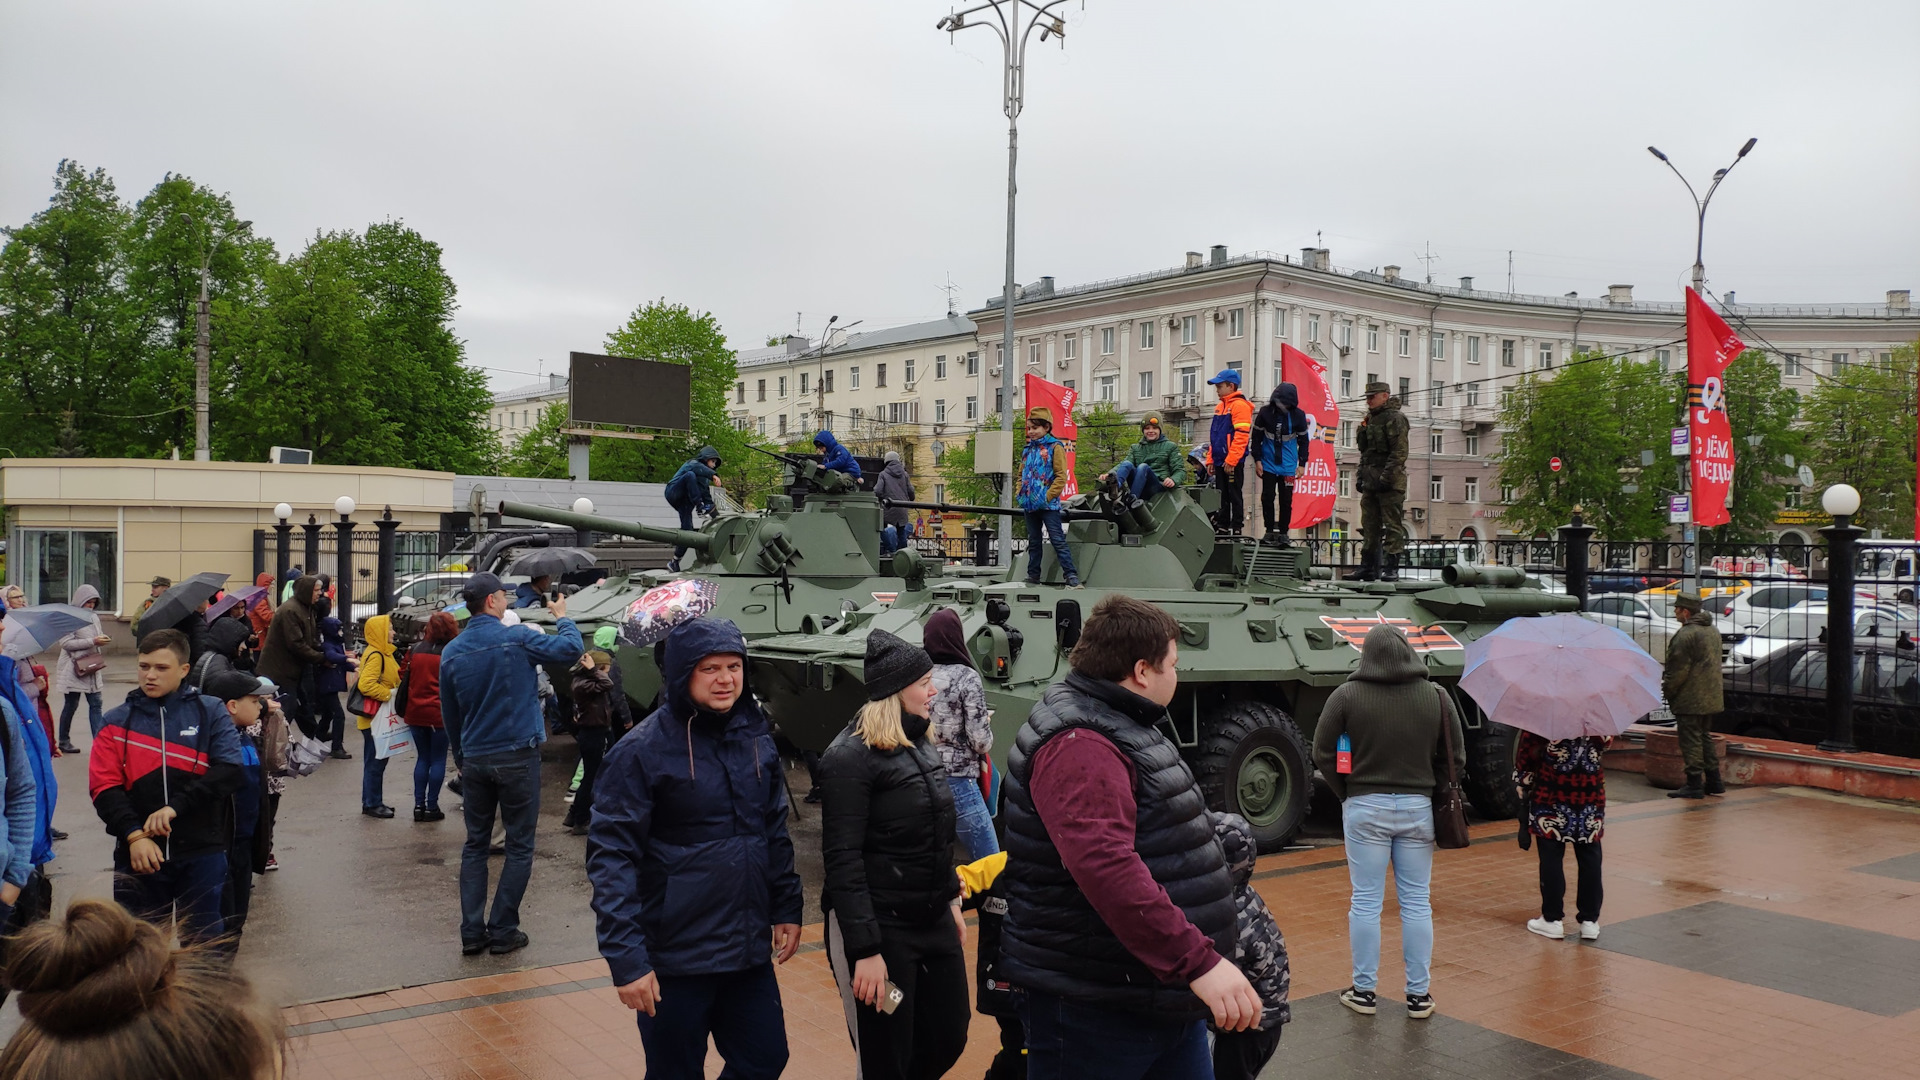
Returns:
<point x="1105" y="437"/>
<point x="1759" y="404"/>
<point x="542" y="451"/>
<point x="1596" y="415"/>
<point x="1861" y="429"/>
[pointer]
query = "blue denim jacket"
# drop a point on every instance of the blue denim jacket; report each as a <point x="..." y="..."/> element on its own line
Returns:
<point x="22" y="807"/>
<point x="489" y="692"/>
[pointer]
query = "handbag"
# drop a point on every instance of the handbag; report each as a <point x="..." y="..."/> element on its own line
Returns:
<point x="360" y="704"/>
<point x="1449" y="805"/>
<point x="88" y="663"/>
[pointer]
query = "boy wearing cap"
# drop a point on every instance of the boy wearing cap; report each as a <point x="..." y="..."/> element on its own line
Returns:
<point x="246" y="699"/>
<point x="1154" y="464"/>
<point x="1043" y="476"/>
<point x="1227" y="440"/>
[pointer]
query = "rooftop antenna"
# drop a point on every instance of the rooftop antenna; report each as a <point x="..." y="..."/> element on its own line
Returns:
<point x="1429" y="258"/>
<point x="950" y="288"/>
<point x="796" y="320"/>
<point x="1509" y="271"/>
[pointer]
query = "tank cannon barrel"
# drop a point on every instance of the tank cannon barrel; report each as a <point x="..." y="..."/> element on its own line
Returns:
<point x="699" y="541"/>
<point x="1003" y="511"/>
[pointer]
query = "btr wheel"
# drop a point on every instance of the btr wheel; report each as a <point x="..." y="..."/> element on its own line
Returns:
<point x="1253" y="761"/>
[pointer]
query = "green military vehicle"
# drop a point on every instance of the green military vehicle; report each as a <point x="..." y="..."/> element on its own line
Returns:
<point x="1264" y="639"/>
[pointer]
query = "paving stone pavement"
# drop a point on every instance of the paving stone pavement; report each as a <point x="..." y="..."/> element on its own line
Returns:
<point x="1730" y="927"/>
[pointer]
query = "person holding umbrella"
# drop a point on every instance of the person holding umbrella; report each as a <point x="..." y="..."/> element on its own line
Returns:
<point x="1563" y="787"/>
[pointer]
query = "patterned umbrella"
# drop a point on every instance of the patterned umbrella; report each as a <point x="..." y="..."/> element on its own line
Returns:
<point x="657" y="611"/>
<point x="1561" y="677"/>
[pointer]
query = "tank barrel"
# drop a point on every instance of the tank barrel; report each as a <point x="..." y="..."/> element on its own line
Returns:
<point x="1003" y="511"/>
<point x="699" y="541"/>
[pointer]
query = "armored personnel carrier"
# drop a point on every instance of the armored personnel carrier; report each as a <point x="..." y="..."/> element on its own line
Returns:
<point x="1264" y="639"/>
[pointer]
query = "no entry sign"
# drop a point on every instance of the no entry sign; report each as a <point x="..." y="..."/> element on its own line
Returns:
<point x="1554" y="464"/>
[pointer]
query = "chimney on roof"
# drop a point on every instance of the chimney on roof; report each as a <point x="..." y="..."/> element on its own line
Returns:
<point x="556" y="381"/>
<point x="1193" y="260"/>
<point x="1391" y="273"/>
<point x="1900" y="299"/>
<point x="797" y="344"/>
<point x="1043" y="287"/>
<point x="1619" y="294"/>
<point x="1466" y="284"/>
<point x="1313" y="258"/>
<point x="1219" y="257"/>
<point x="1729" y="302"/>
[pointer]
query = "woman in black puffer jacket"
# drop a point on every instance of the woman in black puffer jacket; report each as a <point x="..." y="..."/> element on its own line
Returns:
<point x="892" y="898"/>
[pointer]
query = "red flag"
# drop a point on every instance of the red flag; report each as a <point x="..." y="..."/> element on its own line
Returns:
<point x="1059" y="401"/>
<point x="1711" y="346"/>
<point x="1315" y="485"/>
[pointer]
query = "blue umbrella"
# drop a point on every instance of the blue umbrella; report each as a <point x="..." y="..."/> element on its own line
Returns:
<point x="1561" y="677"/>
<point x="31" y="630"/>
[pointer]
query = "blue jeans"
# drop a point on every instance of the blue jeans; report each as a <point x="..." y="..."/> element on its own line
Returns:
<point x="1068" y="1040"/>
<point x="1136" y="480"/>
<point x="72" y="705"/>
<point x="187" y="888"/>
<point x="1397" y="829"/>
<point x="971" y="820"/>
<point x="686" y="524"/>
<point x="740" y="1009"/>
<point x="373" y="774"/>
<point x="510" y="784"/>
<point x="1056" y="535"/>
<point x="429" y="765"/>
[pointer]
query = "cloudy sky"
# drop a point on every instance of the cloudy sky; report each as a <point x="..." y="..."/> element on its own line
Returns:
<point x="771" y="160"/>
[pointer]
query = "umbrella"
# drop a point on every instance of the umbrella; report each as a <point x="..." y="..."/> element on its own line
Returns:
<point x="657" y="611"/>
<point x="552" y="562"/>
<point x="1561" y="677"/>
<point x="234" y="599"/>
<point x="31" y="630"/>
<point x="172" y="607"/>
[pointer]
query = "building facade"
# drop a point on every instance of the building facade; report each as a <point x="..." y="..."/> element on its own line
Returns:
<point x="516" y="410"/>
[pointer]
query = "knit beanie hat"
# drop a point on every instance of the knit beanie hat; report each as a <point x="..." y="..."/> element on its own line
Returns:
<point x="893" y="665"/>
<point x="604" y="637"/>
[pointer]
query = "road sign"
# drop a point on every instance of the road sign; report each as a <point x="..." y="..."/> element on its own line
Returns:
<point x="1679" y="445"/>
<point x="1679" y="509"/>
<point x="1554" y="464"/>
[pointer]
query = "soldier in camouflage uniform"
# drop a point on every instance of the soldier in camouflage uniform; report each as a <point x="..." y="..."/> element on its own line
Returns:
<point x="1260" y="953"/>
<point x="1691" y="683"/>
<point x="1382" y="440"/>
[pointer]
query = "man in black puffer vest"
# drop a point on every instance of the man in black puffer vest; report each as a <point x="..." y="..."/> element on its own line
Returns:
<point x="1120" y="913"/>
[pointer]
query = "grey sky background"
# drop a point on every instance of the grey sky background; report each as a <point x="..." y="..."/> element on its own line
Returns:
<point x="762" y="159"/>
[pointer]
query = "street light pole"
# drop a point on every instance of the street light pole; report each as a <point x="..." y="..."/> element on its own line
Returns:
<point x="1691" y="538"/>
<point x="1014" y="21"/>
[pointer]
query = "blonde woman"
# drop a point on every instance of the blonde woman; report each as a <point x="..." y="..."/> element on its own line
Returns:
<point x="894" y="932"/>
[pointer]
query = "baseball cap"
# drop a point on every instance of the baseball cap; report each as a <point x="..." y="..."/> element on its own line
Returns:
<point x="231" y="685"/>
<point x="1226" y="375"/>
<point x="478" y="588"/>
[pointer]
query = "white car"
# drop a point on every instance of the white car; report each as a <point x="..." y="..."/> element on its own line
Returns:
<point x="1750" y="609"/>
<point x="436" y="589"/>
<point x="1647" y="618"/>
<point x="1806" y="623"/>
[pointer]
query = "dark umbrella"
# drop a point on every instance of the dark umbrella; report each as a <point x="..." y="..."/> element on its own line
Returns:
<point x="172" y="607"/>
<point x="233" y="600"/>
<point x="552" y="562"/>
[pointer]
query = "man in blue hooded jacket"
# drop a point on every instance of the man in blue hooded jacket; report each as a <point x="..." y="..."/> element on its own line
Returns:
<point x="694" y="888"/>
<point x="835" y="457"/>
<point x="1281" y="430"/>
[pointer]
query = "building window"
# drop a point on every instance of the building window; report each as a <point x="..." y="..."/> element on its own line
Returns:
<point x="1106" y="341"/>
<point x="760" y="389"/>
<point x="739" y="398"/>
<point x="1439" y="393"/>
<point x="1346" y="383"/>
<point x="853" y="378"/>
<point x="826" y="381"/>
<point x="1373" y="337"/>
<point x="50" y="564"/>
<point x="1189" y="330"/>
<point x="1146" y="334"/>
<point x="1789" y="365"/>
<point x="1346" y="483"/>
<point x="1473" y="350"/>
<point x="1792" y="500"/>
<point x="1886" y="361"/>
<point x="1546" y="355"/>
<point x="1840" y="362"/>
<point x="1106" y="387"/>
<point x="939" y="412"/>
<point x="783" y="424"/>
<point x="939" y="365"/>
<point x="1506" y="493"/>
<point x="1506" y="396"/>
<point x="1472" y="493"/>
<point x="1070" y="347"/>
<point x="1237" y="323"/>
<point x="1473" y="448"/>
<point x="1664" y="357"/>
<point x="1346" y="433"/>
<point x="1068" y="383"/>
<point x="1313" y="328"/>
<point x="1146" y="384"/>
<point x="1279" y="322"/>
<point x="1406" y="343"/>
<point x="1436" y="443"/>
<point x="763" y="427"/>
<point x="880" y="375"/>
<point x="973" y="408"/>
<point x="1436" y="488"/>
<point x="1473" y="393"/>
<point x="912" y="362"/>
<point x="973" y="363"/>
<point x="804" y="388"/>
<point x="1405" y="386"/>
<point x="1189" y="382"/>
<point x="1506" y="352"/>
<point x="1437" y="345"/>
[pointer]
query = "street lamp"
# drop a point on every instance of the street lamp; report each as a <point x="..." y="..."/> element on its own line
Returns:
<point x="203" y="345"/>
<point x="282" y="548"/>
<point x="1015" y="21"/>
<point x="583" y="536"/>
<point x="1842" y="501"/>
<point x="1700" y="208"/>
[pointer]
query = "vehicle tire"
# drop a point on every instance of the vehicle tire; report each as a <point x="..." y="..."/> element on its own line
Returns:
<point x="1253" y="761"/>
<point x="1489" y="781"/>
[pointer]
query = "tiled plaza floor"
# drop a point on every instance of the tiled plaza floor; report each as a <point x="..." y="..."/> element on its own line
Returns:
<point x="1773" y="933"/>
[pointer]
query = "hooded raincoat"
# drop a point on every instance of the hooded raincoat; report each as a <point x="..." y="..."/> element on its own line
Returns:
<point x="691" y="486"/>
<point x="1280" y="432"/>
<point x="1391" y="713"/>
<point x="892" y="483"/>
<point x="76" y="645"/>
<point x="379" y="668"/>
<point x="689" y="855"/>
<point x="834" y="456"/>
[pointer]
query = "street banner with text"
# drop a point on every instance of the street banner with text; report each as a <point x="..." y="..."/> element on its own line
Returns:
<point x="1058" y="400"/>
<point x="1317" y="482"/>
<point x="1711" y="346"/>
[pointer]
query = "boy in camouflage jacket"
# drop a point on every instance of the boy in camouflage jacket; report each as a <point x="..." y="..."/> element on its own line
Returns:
<point x="1260" y="952"/>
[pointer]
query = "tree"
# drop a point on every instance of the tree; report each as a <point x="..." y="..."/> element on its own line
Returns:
<point x="1760" y="406"/>
<point x="1105" y="436"/>
<point x="542" y="450"/>
<point x="1596" y="415"/>
<point x="1861" y="428"/>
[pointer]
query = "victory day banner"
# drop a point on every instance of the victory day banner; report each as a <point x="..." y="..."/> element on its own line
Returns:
<point x="1317" y="482"/>
<point x="1711" y="346"/>
<point x="1059" y="401"/>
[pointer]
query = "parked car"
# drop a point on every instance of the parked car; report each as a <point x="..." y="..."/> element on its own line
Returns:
<point x="433" y="590"/>
<point x="1648" y="619"/>
<point x="1620" y="580"/>
<point x="1808" y="622"/>
<point x="1785" y="697"/>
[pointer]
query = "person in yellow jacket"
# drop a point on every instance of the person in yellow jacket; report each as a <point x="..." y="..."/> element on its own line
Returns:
<point x="379" y="675"/>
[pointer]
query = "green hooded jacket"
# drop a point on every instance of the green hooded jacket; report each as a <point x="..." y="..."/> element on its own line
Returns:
<point x="1163" y="456"/>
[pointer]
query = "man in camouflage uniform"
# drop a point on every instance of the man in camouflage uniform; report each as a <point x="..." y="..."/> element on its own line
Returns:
<point x="1691" y="685"/>
<point x="1382" y="440"/>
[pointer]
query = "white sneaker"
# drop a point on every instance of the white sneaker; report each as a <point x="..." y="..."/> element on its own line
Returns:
<point x="569" y="798"/>
<point x="1589" y="931"/>
<point x="1555" y="929"/>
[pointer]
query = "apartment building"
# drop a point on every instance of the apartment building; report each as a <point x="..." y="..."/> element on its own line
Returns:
<point x="516" y="410"/>
<point x="1149" y="342"/>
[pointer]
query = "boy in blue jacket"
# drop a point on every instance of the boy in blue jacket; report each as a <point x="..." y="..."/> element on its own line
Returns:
<point x="245" y="697"/>
<point x="691" y="489"/>
<point x="834" y="456"/>
<point x="694" y="889"/>
<point x="329" y="682"/>
<point x="1281" y="431"/>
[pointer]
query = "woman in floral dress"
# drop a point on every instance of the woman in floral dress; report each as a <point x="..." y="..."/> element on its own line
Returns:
<point x="1563" y="786"/>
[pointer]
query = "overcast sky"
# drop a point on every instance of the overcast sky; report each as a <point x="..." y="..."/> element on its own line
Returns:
<point x="762" y="159"/>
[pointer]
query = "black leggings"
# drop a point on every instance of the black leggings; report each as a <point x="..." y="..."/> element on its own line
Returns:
<point x="1553" y="880"/>
<point x="924" y="1036"/>
<point x="1276" y="504"/>
<point x="592" y="742"/>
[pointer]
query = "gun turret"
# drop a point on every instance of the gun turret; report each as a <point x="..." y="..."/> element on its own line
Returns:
<point x="699" y="541"/>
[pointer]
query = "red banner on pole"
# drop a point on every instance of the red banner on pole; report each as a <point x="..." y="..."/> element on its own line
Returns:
<point x="1059" y="401"/>
<point x="1711" y="346"/>
<point x="1317" y="482"/>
